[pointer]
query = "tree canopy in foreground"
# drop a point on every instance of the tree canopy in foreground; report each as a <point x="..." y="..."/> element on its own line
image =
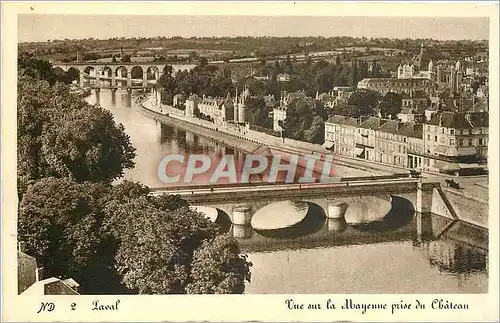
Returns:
<point x="119" y="239"/>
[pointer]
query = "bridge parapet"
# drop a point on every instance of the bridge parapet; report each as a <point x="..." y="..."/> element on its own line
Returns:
<point x="302" y="192"/>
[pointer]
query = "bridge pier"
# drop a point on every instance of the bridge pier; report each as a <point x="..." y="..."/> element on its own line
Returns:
<point x="97" y="78"/>
<point x="242" y="215"/>
<point x="242" y="231"/>
<point x="113" y="95"/>
<point x="113" y="80"/>
<point x="424" y="209"/>
<point x="336" y="210"/>
<point x="144" y="79"/>
<point x="82" y="79"/>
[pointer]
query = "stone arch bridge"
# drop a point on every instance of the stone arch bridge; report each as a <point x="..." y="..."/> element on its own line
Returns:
<point x="116" y="75"/>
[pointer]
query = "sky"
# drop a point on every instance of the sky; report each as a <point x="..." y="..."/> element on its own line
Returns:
<point x="38" y="27"/>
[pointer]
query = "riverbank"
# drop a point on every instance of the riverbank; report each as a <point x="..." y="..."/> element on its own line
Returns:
<point x="249" y="141"/>
<point x="199" y="129"/>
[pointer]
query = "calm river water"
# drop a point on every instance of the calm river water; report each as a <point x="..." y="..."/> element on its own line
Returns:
<point x="334" y="258"/>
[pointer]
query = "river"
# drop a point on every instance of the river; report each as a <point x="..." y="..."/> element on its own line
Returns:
<point x="334" y="258"/>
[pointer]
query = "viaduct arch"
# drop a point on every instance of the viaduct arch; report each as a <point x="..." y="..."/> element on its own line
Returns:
<point x="119" y="74"/>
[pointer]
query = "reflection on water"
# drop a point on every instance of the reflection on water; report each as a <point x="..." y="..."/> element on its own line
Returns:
<point x="154" y="140"/>
<point x="324" y="255"/>
<point x="339" y="258"/>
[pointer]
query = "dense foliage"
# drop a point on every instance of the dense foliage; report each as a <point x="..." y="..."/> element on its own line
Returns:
<point x="118" y="239"/>
<point x="61" y="135"/>
<point x="305" y="121"/>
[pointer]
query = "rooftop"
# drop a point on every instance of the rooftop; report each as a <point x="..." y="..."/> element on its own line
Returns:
<point x="372" y="123"/>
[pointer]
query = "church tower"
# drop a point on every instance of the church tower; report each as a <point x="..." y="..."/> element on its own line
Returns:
<point x="242" y="105"/>
<point x="400" y="72"/>
<point x="235" y="107"/>
<point x="453" y="80"/>
<point x="421" y="57"/>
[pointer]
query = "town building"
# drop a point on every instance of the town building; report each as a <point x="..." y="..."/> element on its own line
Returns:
<point x="239" y="105"/>
<point x="340" y="135"/>
<point x="279" y="111"/>
<point x="390" y="146"/>
<point x="385" y="85"/>
<point x="219" y="110"/>
<point x="450" y="142"/>
<point x="327" y="99"/>
<point x="30" y="280"/>
<point x="455" y="142"/>
<point x="406" y="71"/>
<point x="365" y="137"/>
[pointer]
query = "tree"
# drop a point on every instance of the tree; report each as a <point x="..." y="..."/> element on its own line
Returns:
<point x="348" y="110"/>
<point x="316" y="132"/>
<point x="257" y="111"/>
<point x="158" y="243"/>
<point x="390" y="105"/>
<point x="28" y="65"/>
<point x="203" y="61"/>
<point x="218" y="268"/>
<point x="299" y="118"/>
<point x="126" y="58"/>
<point x="366" y="101"/>
<point x="61" y="135"/>
<point x="61" y="222"/>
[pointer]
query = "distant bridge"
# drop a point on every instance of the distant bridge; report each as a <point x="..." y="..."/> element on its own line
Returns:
<point x="119" y="74"/>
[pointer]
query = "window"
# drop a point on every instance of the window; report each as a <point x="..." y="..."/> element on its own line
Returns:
<point x="428" y="128"/>
<point x="428" y="137"/>
<point x="404" y="139"/>
<point x="461" y="131"/>
<point x="460" y="142"/>
<point x="452" y="142"/>
<point x="452" y="131"/>
<point x="470" y="142"/>
<point x="480" y="141"/>
<point x="435" y="138"/>
<point x="442" y="131"/>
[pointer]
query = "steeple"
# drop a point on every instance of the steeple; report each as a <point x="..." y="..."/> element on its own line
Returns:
<point x="420" y="57"/>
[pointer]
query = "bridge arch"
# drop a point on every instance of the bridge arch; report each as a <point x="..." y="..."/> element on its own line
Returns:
<point x="121" y="71"/>
<point x="137" y="72"/>
<point x="153" y="72"/>
<point x="73" y="73"/>
<point x="107" y="71"/>
<point x="90" y="71"/>
<point x="59" y="69"/>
